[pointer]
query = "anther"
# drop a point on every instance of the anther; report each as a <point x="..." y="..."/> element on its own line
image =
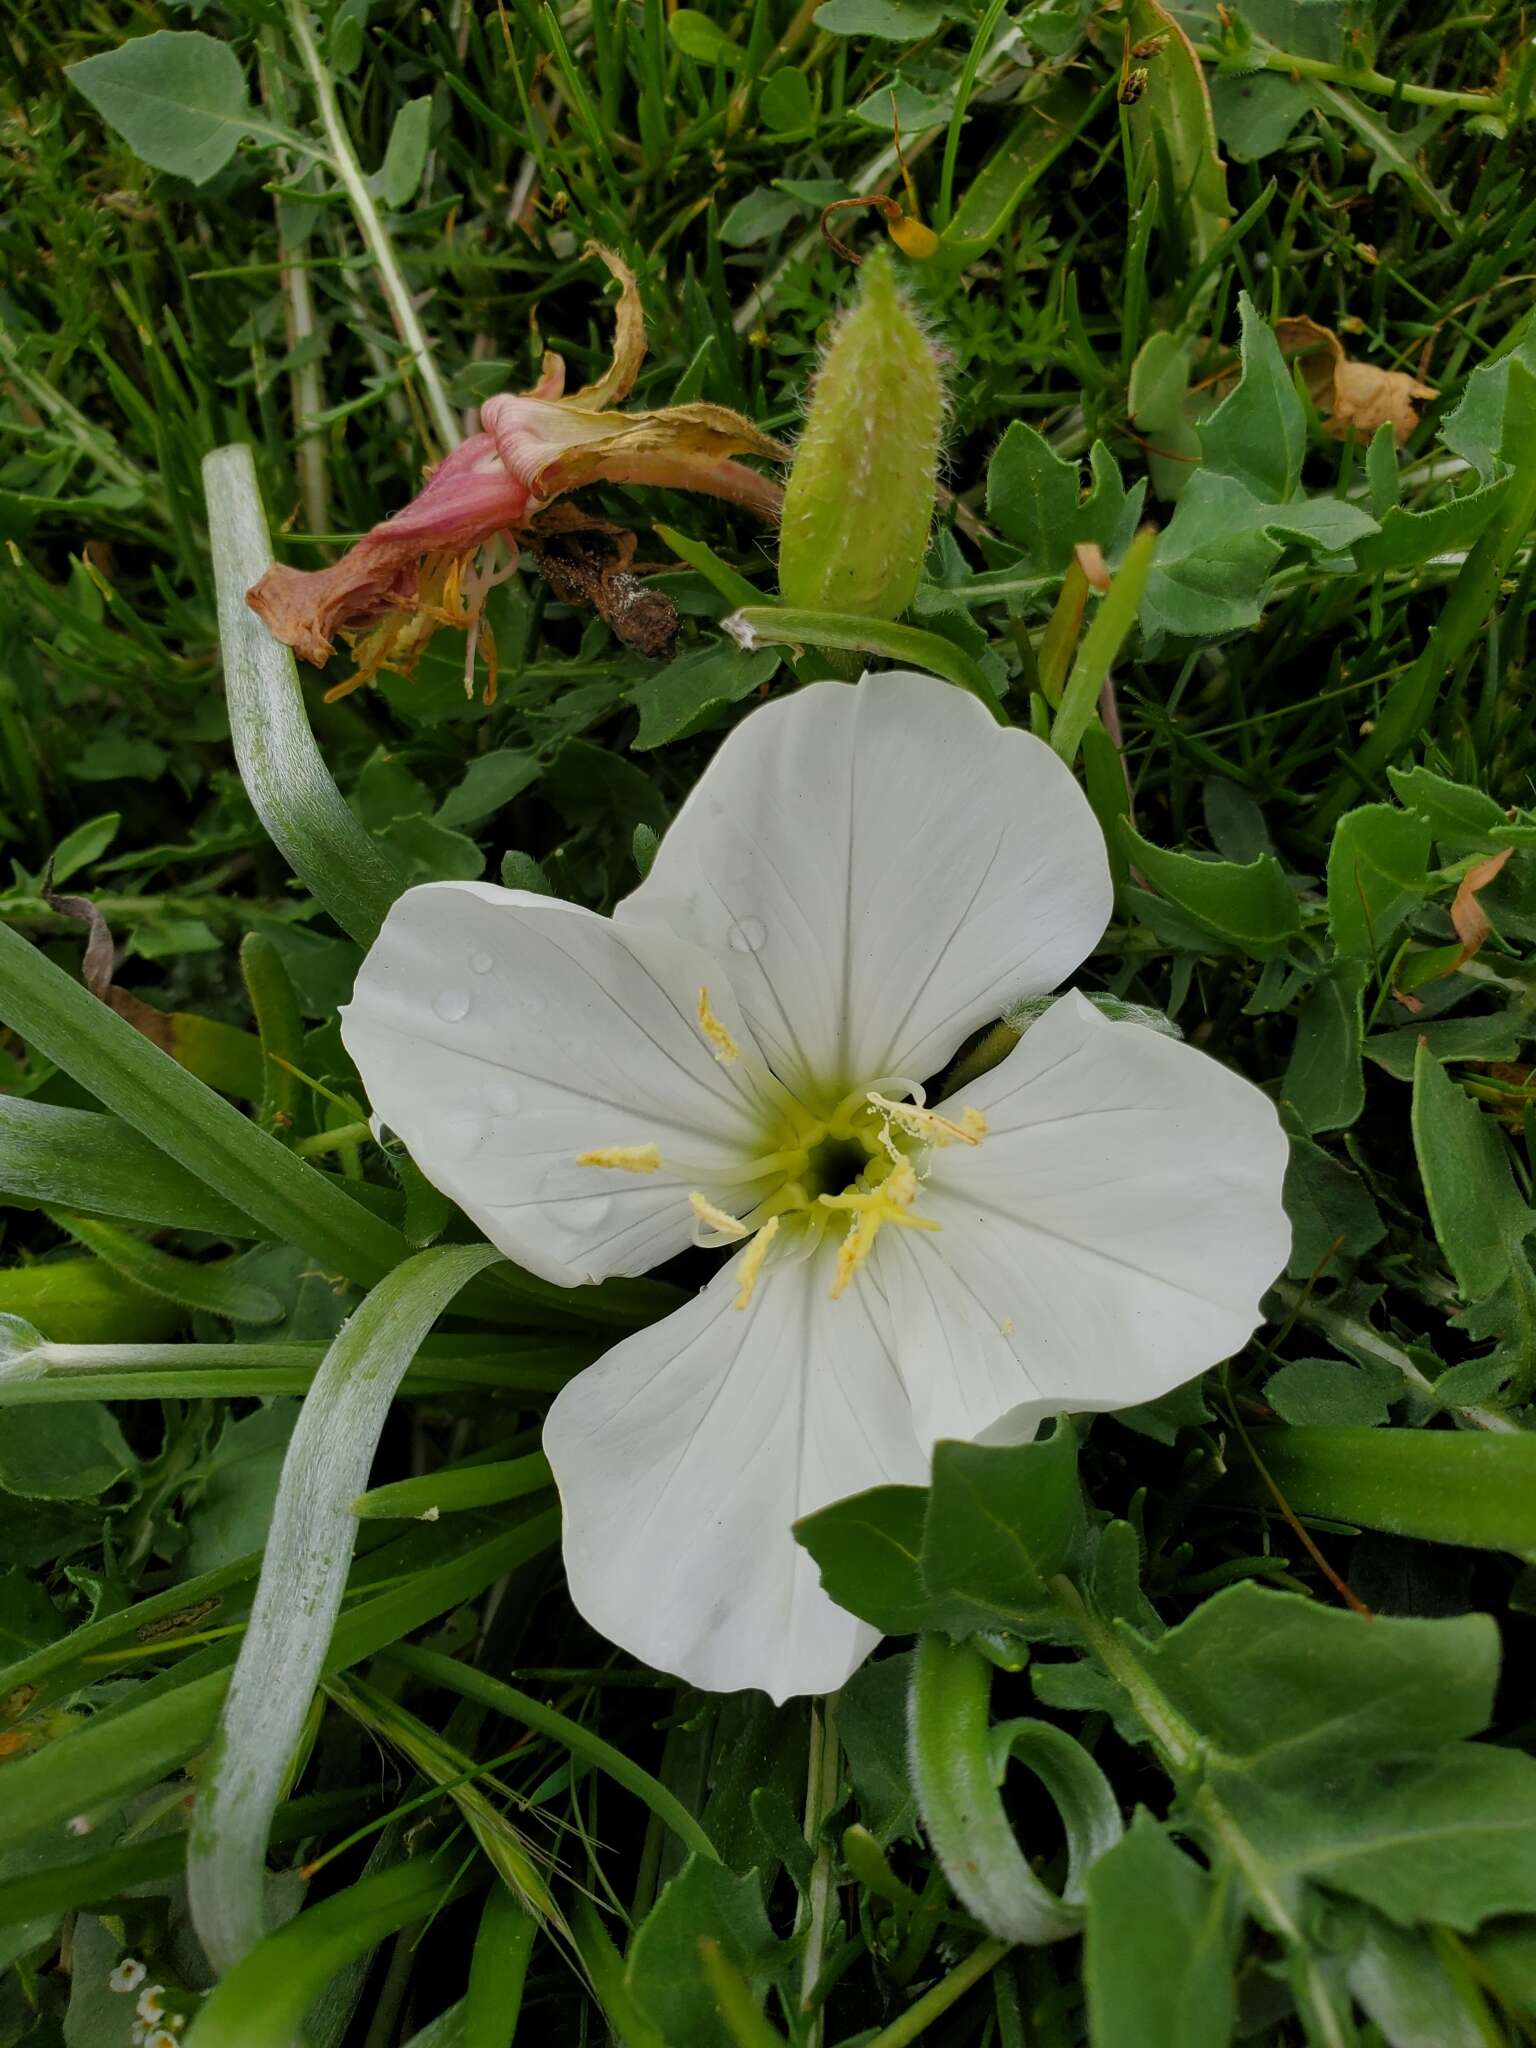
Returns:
<point x="927" y="1124"/>
<point x="626" y="1158"/>
<point x="717" y="1219"/>
<point x="752" y="1261"/>
<point x="727" y="1051"/>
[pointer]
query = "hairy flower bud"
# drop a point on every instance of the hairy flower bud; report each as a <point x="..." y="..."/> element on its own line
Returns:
<point x="859" y="500"/>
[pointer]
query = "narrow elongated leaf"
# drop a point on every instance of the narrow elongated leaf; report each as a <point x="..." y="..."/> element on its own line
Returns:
<point x="348" y="870"/>
<point x="170" y="1719"/>
<point x="207" y="1287"/>
<point x="82" y="1160"/>
<point x="1441" y="1485"/>
<point x="299" y="1596"/>
<point x="262" y="2003"/>
<point x="207" y="1135"/>
<point x="1479" y="1218"/>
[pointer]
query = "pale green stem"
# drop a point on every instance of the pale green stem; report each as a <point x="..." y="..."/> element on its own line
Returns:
<point x="306" y="391"/>
<point x="947" y="1992"/>
<point x="783" y="626"/>
<point x="374" y="233"/>
<point x="1361" y="81"/>
<point x="823" y="1776"/>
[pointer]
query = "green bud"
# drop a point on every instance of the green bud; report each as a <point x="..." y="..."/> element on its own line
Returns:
<point x="859" y="500"/>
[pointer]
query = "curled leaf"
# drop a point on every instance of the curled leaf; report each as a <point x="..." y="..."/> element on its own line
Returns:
<point x="1353" y="397"/>
<point x="1467" y="912"/>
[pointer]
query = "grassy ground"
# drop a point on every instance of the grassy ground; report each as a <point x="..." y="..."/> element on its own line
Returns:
<point x="1367" y="1452"/>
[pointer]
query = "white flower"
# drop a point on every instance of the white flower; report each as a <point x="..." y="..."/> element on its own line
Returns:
<point x="863" y="877"/>
<point x="126" y="1975"/>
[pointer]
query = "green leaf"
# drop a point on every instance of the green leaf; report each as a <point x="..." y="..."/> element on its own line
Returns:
<point x="1332" y="1213"/>
<point x="1275" y="1682"/>
<point x="663" y="1969"/>
<point x="86" y="843"/>
<point x="892" y="21"/>
<point x="298" y="1598"/>
<point x="698" y="37"/>
<point x="690" y="692"/>
<point x="74" y="1453"/>
<point x="238" y="1484"/>
<point x="1323" y="1082"/>
<point x="1032" y="498"/>
<point x="1258" y="433"/>
<point x="406" y="156"/>
<point x="203" y="1132"/>
<point x="1377" y="872"/>
<point x="1159" y="386"/>
<point x="1403" y="1985"/>
<point x="1461" y="819"/>
<point x="213" y="1288"/>
<point x="1481" y="1223"/>
<point x="261" y="2003"/>
<point x="785" y="101"/>
<point x="1160" y="1946"/>
<point x="80" y="1159"/>
<point x="1331" y="1392"/>
<point x="1049" y="124"/>
<point x="758" y="216"/>
<point x="866" y="1549"/>
<point x="1488" y="427"/>
<point x="1441" y="1485"/>
<point x="1253" y="905"/>
<point x="1173" y="134"/>
<point x="1002" y="1521"/>
<point x="176" y="97"/>
<point x="1408" y="538"/>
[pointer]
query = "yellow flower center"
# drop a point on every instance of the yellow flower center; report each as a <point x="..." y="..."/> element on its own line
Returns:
<point x="862" y="1164"/>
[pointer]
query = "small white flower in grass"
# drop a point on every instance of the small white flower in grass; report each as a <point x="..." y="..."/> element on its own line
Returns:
<point x="738" y="1057"/>
<point x="151" y="2005"/>
<point x="126" y="1975"/>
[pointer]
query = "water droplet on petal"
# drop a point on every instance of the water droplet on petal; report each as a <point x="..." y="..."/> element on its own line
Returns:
<point x="480" y="963"/>
<point x="748" y="936"/>
<point x="502" y="1098"/>
<point x="586" y="1215"/>
<point x="451" y="1005"/>
<point x="535" y="1005"/>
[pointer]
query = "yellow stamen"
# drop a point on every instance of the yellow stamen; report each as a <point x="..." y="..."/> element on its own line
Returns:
<point x="869" y="1208"/>
<point x="717" y="1219"/>
<point x="626" y="1158"/>
<point x="855" y="1248"/>
<point x="752" y="1261"/>
<point x="727" y="1051"/>
<point x="929" y="1125"/>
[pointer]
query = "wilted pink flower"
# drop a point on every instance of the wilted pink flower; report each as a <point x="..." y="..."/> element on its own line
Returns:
<point x="418" y="569"/>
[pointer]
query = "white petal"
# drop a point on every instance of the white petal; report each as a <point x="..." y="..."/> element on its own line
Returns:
<point x="684" y="1456"/>
<point x="502" y="1034"/>
<point x="883" y="869"/>
<point x="1110" y="1238"/>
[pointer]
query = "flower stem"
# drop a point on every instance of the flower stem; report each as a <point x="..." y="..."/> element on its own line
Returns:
<point x="823" y="1776"/>
<point x="343" y="159"/>
<point x="1361" y="81"/>
<point x="783" y="626"/>
<point x="947" y="1992"/>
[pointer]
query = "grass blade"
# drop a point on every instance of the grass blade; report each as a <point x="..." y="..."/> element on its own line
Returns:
<point x="309" y="1548"/>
